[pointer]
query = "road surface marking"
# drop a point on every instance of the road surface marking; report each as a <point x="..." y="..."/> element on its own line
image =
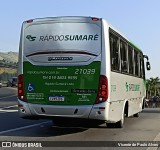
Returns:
<point x="8" y="96"/>
<point x="7" y="111"/>
<point x="25" y="127"/>
<point x="157" y="138"/>
<point x="10" y="106"/>
<point x="2" y="110"/>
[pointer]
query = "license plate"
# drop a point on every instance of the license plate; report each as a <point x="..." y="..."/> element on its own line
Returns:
<point x="56" y="98"/>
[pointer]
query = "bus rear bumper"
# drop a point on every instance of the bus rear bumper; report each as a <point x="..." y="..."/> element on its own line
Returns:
<point x="38" y="111"/>
<point x="99" y="111"/>
<point x="24" y="110"/>
<point x="27" y="110"/>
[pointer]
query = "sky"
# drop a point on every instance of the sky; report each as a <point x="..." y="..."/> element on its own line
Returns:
<point x="137" y="19"/>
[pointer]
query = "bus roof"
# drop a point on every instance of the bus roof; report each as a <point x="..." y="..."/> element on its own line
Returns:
<point x="64" y="18"/>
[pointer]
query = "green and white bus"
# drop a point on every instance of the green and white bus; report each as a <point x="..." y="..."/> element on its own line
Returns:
<point x="79" y="67"/>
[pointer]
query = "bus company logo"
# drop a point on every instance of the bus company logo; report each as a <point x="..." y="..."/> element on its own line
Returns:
<point x="31" y="38"/>
<point x="132" y="87"/>
<point x="59" y="58"/>
<point x="85" y="37"/>
<point x="127" y="87"/>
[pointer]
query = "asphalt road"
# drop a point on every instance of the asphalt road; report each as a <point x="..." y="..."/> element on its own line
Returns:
<point x="12" y="128"/>
<point x="8" y="96"/>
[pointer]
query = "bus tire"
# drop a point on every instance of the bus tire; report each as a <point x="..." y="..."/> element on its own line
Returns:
<point x="58" y="122"/>
<point x="62" y="122"/>
<point x="110" y="125"/>
<point x="136" y="115"/>
<point x="120" y="123"/>
<point x="143" y="106"/>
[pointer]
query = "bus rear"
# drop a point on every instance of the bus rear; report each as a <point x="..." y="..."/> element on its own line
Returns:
<point x="59" y="67"/>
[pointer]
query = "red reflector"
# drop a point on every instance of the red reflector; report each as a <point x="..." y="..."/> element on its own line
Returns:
<point x="19" y="105"/>
<point x="102" y="108"/>
<point x="29" y="21"/>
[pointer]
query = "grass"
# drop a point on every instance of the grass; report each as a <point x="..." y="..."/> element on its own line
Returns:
<point x="7" y="70"/>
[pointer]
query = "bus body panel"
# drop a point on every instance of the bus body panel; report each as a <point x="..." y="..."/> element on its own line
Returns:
<point x="129" y="89"/>
<point x="123" y="89"/>
<point x="60" y="60"/>
<point x="96" y="112"/>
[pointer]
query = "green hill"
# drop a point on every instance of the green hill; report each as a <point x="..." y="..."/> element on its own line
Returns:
<point x="8" y="65"/>
<point x="9" y="57"/>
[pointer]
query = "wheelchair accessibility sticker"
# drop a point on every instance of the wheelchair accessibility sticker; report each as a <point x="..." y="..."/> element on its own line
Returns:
<point x="30" y="87"/>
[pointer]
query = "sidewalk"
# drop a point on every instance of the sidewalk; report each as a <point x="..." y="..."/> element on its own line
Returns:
<point x="152" y="110"/>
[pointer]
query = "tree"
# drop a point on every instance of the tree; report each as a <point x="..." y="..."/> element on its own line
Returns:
<point x="151" y="86"/>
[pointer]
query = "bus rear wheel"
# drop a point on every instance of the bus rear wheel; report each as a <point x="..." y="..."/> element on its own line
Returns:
<point x="136" y="115"/>
<point x="120" y="123"/>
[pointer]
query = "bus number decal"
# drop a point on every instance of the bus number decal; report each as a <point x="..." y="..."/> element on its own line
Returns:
<point x="85" y="71"/>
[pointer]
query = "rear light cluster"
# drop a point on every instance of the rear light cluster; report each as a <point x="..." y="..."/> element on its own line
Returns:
<point x="103" y="90"/>
<point x="21" y="95"/>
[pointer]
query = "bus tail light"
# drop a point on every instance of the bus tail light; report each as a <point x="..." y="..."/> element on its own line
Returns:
<point x="103" y="90"/>
<point x="21" y="95"/>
